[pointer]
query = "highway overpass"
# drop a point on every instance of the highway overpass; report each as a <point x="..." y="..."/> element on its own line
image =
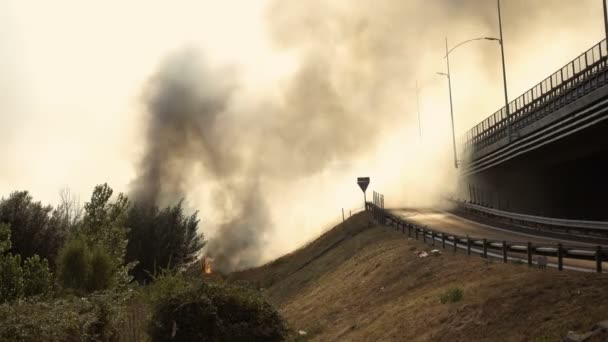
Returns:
<point x="549" y="156"/>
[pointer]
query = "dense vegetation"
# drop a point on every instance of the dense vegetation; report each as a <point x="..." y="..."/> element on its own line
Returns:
<point x="77" y="273"/>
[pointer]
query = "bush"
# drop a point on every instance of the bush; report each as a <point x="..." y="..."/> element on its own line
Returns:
<point x="101" y="270"/>
<point x="37" y="276"/>
<point x="212" y="312"/>
<point x="69" y="319"/>
<point x="72" y="265"/>
<point x="80" y="268"/>
<point x="166" y="285"/>
<point x="452" y="295"/>
<point x="11" y="278"/>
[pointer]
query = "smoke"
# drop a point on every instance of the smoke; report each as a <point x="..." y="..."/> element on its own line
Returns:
<point x="185" y="105"/>
<point x="346" y="94"/>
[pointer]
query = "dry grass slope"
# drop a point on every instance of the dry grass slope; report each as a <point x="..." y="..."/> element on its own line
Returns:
<point x="361" y="282"/>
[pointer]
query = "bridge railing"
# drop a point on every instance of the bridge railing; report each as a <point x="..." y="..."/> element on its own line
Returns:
<point x="505" y="250"/>
<point x="585" y="73"/>
<point x="548" y="221"/>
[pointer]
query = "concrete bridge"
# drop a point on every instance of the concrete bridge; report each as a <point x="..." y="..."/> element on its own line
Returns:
<point x="549" y="157"/>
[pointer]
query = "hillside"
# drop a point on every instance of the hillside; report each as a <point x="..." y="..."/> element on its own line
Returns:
<point x="361" y="281"/>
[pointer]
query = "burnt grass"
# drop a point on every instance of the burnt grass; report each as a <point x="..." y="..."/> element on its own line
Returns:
<point x="363" y="281"/>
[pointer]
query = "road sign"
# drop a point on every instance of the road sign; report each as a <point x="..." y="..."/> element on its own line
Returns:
<point x="363" y="183"/>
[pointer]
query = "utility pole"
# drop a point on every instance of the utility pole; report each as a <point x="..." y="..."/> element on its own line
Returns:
<point x="447" y="58"/>
<point x="418" y="109"/>
<point x="504" y="73"/>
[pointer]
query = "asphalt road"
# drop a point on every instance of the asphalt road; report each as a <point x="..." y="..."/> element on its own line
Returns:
<point x="449" y="223"/>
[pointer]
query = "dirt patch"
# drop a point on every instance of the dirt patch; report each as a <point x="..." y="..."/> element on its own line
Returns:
<point x="362" y="281"/>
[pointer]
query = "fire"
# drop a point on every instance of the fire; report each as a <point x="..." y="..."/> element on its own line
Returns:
<point x="207" y="265"/>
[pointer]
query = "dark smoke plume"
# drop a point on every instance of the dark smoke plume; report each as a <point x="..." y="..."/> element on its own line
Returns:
<point x="354" y="62"/>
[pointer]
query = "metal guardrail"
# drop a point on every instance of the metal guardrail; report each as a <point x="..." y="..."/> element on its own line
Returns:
<point x="582" y="75"/>
<point x="503" y="248"/>
<point x="564" y="223"/>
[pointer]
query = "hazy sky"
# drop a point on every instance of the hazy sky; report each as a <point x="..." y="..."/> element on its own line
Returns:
<point x="72" y="75"/>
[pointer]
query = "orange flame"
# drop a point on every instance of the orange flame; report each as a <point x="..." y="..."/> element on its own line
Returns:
<point x="207" y="265"/>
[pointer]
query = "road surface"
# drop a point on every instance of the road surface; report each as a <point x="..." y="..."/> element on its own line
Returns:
<point x="452" y="224"/>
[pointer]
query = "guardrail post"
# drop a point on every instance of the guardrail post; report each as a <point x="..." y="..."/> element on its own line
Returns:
<point x="402" y="227"/>
<point x="455" y="242"/>
<point x="416" y="231"/>
<point x="505" y="257"/>
<point x="433" y="237"/>
<point x="443" y="240"/>
<point x="529" y="253"/>
<point x="409" y="230"/>
<point x="468" y="245"/>
<point x="423" y="235"/>
<point x="560" y="257"/>
<point x="598" y="259"/>
<point x="485" y="248"/>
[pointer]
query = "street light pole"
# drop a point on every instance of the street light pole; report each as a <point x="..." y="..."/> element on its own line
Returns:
<point x="504" y="74"/>
<point x="418" y="109"/>
<point x="605" y="19"/>
<point x="447" y="58"/>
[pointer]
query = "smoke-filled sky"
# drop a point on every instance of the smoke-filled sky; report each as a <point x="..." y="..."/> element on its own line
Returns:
<point x="261" y="113"/>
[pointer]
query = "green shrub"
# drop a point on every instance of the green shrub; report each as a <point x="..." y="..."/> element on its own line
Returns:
<point x="212" y="312"/>
<point x="453" y="295"/>
<point x="167" y="285"/>
<point x="37" y="276"/>
<point x="68" y="319"/>
<point x="100" y="271"/>
<point x="72" y="265"/>
<point x="83" y="269"/>
<point x="11" y="278"/>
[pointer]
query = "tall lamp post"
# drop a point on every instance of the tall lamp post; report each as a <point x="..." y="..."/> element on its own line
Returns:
<point x="448" y="75"/>
<point x="504" y="74"/>
<point x="605" y="20"/>
<point x="418" y="110"/>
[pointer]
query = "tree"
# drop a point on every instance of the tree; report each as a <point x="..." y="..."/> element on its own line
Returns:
<point x="33" y="278"/>
<point x="161" y="238"/>
<point x="69" y="211"/>
<point x="11" y="278"/>
<point x="94" y="258"/>
<point x="104" y="222"/>
<point x="29" y="222"/>
<point x="72" y="265"/>
<point x="101" y="270"/>
<point x="37" y="277"/>
<point x="84" y="268"/>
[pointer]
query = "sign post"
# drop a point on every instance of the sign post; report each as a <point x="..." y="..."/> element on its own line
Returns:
<point x="363" y="183"/>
